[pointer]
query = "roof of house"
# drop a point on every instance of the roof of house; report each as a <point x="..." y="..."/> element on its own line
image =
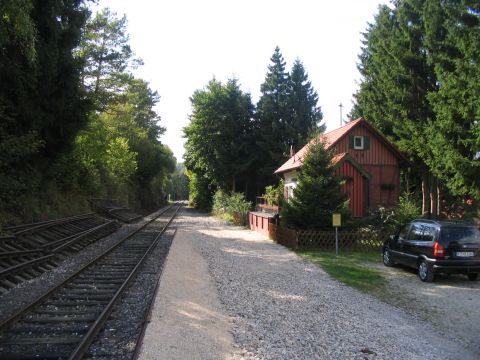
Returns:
<point x="330" y="139"/>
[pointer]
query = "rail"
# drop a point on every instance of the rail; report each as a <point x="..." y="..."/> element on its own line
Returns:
<point x="80" y="305"/>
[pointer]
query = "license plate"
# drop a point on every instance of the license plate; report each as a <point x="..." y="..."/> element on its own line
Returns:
<point x="464" y="253"/>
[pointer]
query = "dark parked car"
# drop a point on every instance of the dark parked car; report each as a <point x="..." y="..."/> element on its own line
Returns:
<point x="435" y="247"/>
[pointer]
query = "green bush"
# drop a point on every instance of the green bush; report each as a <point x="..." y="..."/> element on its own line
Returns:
<point x="274" y="194"/>
<point x="383" y="219"/>
<point x="225" y="205"/>
<point x="220" y="203"/>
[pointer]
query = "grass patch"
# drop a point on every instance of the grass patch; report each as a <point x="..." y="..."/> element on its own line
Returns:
<point x="348" y="268"/>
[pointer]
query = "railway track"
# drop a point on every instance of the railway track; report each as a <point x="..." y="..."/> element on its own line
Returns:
<point x="111" y="209"/>
<point x="63" y="323"/>
<point x="32" y="249"/>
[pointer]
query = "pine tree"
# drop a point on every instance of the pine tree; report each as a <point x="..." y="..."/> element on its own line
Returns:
<point x="274" y="117"/>
<point x="306" y="114"/>
<point x="318" y="194"/>
<point x="108" y="57"/>
<point x="453" y="139"/>
<point x="396" y="80"/>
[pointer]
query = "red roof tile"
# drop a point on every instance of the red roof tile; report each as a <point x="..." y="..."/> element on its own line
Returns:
<point x="328" y="139"/>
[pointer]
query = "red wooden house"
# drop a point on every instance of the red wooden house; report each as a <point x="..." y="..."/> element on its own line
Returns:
<point x="369" y="162"/>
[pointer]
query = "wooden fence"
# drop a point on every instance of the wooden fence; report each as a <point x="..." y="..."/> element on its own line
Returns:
<point x="311" y="239"/>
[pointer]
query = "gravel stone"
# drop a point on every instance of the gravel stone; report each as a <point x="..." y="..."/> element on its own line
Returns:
<point x="24" y="292"/>
<point x="284" y="307"/>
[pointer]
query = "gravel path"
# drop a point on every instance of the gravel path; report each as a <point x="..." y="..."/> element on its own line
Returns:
<point x="451" y="303"/>
<point x="283" y="307"/>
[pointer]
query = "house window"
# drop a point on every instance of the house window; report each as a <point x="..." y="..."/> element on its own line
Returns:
<point x="358" y="142"/>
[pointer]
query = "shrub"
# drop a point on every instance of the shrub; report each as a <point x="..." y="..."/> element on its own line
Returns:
<point x="220" y="203"/>
<point x="383" y="219"/>
<point x="318" y="193"/>
<point x="274" y="194"/>
<point x="225" y="206"/>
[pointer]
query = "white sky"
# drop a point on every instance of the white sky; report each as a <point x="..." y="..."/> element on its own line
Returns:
<point x="184" y="43"/>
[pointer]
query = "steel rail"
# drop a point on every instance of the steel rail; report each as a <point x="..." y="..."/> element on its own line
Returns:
<point x="45" y="224"/>
<point x="146" y="319"/>
<point x="97" y="326"/>
<point x="19" y="313"/>
<point x="44" y="253"/>
<point x="29" y="263"/>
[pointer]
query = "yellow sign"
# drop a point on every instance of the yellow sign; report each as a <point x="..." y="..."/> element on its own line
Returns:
<point x="337" y="219"/>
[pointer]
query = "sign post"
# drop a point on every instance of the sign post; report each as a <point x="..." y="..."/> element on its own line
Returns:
<point x="336" y="222"/>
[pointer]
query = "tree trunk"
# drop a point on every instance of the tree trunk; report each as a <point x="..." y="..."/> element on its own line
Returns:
<point x="433" y="196"/>
<point x="425" y="202"/>
<point x="233" y="184"/>
<point x="439" y="199"/>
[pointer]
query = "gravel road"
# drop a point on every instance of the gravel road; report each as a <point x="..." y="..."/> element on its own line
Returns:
<point x="451" y="303"/>
<point x="283" y="307"/>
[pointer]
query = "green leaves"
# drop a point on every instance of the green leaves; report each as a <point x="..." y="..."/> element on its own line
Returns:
<point x="287" y="114"/>
<point x="120" y="160"/>
<point x="318" y="193"/>
<point x="219" y="134"/>
<point x="107" y="56"/>
<point x="421" y="87"/>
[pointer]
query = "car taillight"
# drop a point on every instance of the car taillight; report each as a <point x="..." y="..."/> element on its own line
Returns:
<point x="438" y="249"/>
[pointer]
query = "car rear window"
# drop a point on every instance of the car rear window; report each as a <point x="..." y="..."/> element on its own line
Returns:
<point x="461" y="235"/>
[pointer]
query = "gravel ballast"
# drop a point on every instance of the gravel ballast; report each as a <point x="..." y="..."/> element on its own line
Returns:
<point x="283" y="307"/>
<point x="25" y="292"/>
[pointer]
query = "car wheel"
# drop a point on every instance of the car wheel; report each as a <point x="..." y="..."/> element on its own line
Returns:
<point x="425" y="273"/>
<point x="387" y="257"/>
<point x="472" y="277"/>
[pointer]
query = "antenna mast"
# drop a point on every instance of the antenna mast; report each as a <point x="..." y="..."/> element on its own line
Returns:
<point x="341" y="119"/>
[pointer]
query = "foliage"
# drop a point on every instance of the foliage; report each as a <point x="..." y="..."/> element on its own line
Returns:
<point x="120" y="160"/>
<point x="224" y="204"/>
<point x="273" y="115"/>
<point x="452" y="35"/>
<point x="348" y="269"/>
<point x="42" y="103"/>
<point x="219" y="140"/>
<point x="120" y="148"/>
<point x="302" y="99"/>
<point x="220" y="202"/>
<point x="274" y="194"/>
<point x="73" y="119"/>
<point x="200" y="190"/>
<point x="287" y="114"/>
<point x="230" y="147"/>
<point x="318" y="194"/>
<point x="177" y="183"/>
<point x="420" y="86"/>
<point x="107" y="56"/>
<point x="392" y="220"/>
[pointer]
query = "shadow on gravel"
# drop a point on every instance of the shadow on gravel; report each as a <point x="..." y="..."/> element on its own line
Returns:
<point x="451" y="303"/>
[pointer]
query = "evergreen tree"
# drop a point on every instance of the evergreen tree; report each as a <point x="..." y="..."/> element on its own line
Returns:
<point x="453" y="139"/>
<point x="396" y="79"/>
<point x="306" y="114"/>
<point x="287" y="115"/>
<point x="318" y="194"/>
<point x="108" y="57"/>
<point x="274" y="118"/>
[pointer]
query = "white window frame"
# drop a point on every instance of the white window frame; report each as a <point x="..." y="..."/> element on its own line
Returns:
<point x="362" y="143"/>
